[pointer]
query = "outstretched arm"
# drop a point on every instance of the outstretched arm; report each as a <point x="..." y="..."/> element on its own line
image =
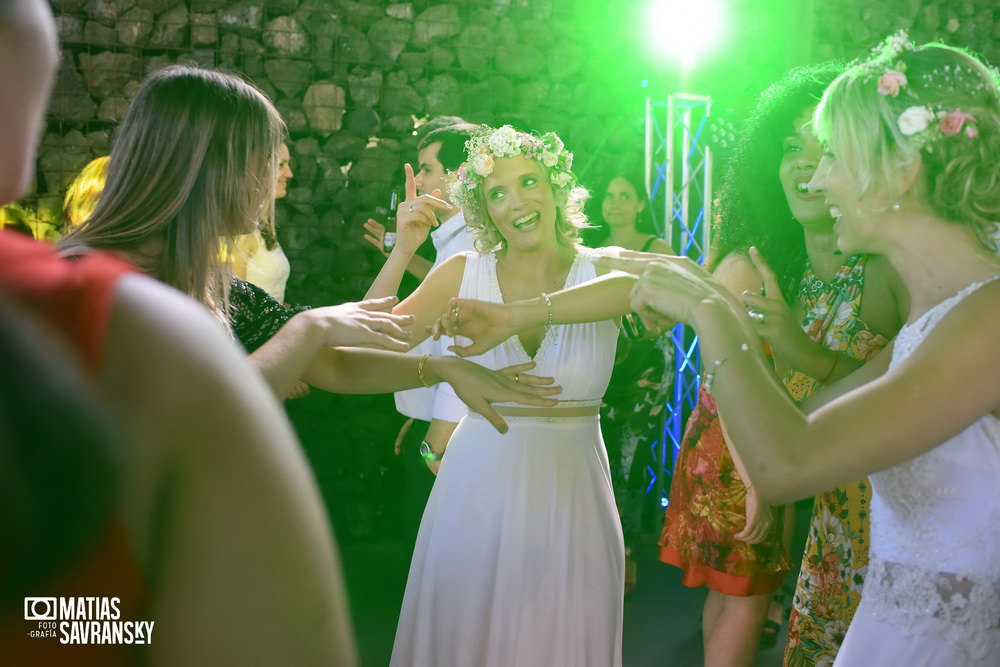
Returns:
<point x="938" y="391"/>
<point x="357" y="371"/>
<point x="489" y="324"/>
<point x="288" y="356"/>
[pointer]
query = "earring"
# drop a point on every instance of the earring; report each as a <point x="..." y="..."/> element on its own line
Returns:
<point x="895" y="206"/>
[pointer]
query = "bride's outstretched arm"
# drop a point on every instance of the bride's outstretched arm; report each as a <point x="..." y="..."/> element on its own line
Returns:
<point x="488" y="324"/>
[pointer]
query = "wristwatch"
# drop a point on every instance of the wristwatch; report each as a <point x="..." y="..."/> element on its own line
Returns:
<point x="428" y="453"/>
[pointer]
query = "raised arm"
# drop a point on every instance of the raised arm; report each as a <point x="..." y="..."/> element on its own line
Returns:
<point x="777" y="323"/>
<point x="432" y="296"/>
<point x="375" y="236"/>
<point x="415" y="218"/>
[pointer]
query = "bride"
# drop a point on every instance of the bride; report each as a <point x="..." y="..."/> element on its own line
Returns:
<point x="519" y="559"/>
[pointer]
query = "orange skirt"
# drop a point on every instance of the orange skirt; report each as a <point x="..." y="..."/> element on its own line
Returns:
<point x="707" y="508"/>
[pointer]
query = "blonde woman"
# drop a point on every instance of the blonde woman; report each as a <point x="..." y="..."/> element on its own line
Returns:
<point x="519" y="558"/>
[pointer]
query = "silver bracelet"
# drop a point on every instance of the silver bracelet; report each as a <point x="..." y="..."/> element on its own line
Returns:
<point x="428" y="453"/>
<point x="548" y="302"/>
<point x="710" y="373"/>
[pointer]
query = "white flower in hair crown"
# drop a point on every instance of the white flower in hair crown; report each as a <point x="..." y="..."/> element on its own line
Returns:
<point x="484" y="149"/>
<point x="924" y="119"/>
<point x="925" y="123"/>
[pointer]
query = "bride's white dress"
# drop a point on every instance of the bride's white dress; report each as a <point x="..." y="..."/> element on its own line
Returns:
<point x="932" y="594"/>
<point x="519" y="561"/>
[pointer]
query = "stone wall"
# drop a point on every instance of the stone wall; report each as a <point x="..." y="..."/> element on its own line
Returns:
<point x="849" y="28"/>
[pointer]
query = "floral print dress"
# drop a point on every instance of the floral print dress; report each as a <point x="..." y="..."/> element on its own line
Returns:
<point x="836" y="554"/>
<point x="707" y="508"/>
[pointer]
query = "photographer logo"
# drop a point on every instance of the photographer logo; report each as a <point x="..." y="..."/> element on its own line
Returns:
<point x="84" y="620"/>
<point x="40" y="609"/>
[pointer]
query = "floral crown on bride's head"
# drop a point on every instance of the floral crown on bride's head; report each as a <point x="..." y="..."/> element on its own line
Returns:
<point x="923" y="123"/>
<point x="484" y="148"/>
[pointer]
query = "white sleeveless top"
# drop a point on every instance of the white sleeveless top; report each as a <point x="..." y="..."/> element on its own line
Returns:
<point x="269" y="269"/>
<point x="574" y="354"/>
<point x="935" y="526"/>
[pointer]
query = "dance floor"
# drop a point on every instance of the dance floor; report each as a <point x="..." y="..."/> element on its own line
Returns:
<point x="662" y="618"/>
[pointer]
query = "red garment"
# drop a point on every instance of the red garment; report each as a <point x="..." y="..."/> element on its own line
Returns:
<point x="707" y="507"/>
<point x="74" y="298"/>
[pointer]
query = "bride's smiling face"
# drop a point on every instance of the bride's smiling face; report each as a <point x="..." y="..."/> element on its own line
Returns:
<point x="520" y="202"/>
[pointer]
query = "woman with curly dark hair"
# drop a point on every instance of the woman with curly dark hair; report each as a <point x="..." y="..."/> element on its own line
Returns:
<point x="717" y="529"/>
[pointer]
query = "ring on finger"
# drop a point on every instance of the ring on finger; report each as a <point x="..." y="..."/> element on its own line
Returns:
<point x="517" y="377"/>
<point x="410" y="207"/>
<point x="755" y="315"/>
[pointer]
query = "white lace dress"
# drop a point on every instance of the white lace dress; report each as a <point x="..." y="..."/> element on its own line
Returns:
<point x="932" y="594"/>
<point x="519" y="561"/>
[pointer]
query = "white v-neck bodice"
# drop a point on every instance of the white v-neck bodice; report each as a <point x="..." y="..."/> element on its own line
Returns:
<point x="574" y="354"/>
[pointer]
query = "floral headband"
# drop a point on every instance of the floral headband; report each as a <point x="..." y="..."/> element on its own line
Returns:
<point x="505" y="141"/>
<point x="930" y="122"/>
<point x="924" y="123"/>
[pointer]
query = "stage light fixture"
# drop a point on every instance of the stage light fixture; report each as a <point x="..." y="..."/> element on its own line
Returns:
<point x="683" y="31"/>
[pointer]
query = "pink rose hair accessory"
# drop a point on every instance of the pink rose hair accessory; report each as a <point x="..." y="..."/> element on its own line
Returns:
<point x="890" y="83"/>
<point x="953" y="121"/>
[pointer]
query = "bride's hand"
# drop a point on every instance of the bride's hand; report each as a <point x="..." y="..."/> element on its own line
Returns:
<point x="668" y="288"/>
<point x="480" y="387"/>
<point x="485" y="323"/>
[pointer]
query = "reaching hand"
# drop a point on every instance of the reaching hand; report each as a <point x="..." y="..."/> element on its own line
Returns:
<point x="772" y="318"/>
<point x="759" y="519"/>
<point x="479" y="387"/>
<point x="485" y="323"/>
<point x="362" y="324"/>
<point x="668" y="288"/>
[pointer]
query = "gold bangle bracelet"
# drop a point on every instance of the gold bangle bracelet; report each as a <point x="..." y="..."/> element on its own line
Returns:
<point x="420" y="370"/>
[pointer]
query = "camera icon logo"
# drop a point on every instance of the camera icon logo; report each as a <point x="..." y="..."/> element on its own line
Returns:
<point x="40" y="609"/>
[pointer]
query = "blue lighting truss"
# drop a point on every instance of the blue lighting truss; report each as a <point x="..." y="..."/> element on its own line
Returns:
<point x="679" y="183"/>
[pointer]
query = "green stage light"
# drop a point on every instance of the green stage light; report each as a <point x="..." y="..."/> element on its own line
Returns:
<point x="683" y="31"/>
